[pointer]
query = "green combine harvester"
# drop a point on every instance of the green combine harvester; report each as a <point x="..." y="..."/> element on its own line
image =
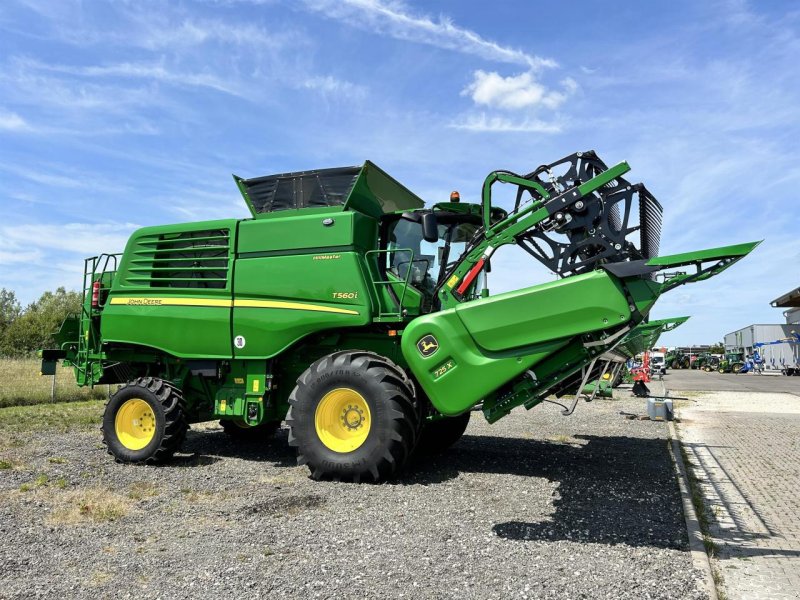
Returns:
<point x="362" y="318"/>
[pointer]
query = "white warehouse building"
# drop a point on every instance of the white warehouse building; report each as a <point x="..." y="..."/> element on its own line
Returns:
<point x="775" y="355"/>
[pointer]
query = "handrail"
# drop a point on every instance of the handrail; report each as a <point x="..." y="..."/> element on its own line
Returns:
<point x="389" y="282"/>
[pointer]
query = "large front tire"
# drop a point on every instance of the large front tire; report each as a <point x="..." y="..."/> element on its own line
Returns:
<point x="352" y="417"/>
<point x="144" y="421"/>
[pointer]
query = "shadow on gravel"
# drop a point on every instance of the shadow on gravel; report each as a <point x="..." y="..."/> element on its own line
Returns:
<point x="208" y="447"/>
<point x="612" y="490"/>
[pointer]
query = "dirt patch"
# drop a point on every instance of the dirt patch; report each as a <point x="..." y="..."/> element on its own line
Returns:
<point x="290" y="505"/>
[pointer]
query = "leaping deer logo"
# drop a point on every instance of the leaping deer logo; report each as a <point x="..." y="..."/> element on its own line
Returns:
<point x="427" y="345"/>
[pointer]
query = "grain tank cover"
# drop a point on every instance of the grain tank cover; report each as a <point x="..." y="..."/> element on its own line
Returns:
<point x="367" y="189"/>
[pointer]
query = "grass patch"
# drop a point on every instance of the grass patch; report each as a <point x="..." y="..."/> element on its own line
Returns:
<point x="61" y="416"/>
<point x="99" y="578"/>
<point x="702" y="511"/>
<point x="12" y="462"/>
<point x="21" y="384"/>
<point x="94" y="505"/>
<point x="142" y="490"/>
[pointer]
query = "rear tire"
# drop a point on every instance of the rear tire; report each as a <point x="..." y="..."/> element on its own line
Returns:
<point x="352" y="417"/>
<point x="144" y="421"/>
<point x="241" y="431"/>
<point x="437" y="436"/>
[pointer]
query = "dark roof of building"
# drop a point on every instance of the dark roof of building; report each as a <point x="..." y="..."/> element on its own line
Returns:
<point x="789" y="299"/>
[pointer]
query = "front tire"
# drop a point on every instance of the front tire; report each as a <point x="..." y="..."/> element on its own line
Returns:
<point x="352" y="417"/>
<point x="144" y="421"/>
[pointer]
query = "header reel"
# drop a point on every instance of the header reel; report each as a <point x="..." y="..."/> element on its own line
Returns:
<point x="592" y="230"/>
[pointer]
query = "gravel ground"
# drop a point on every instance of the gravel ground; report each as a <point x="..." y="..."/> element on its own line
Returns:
<point x="535" y="506"/>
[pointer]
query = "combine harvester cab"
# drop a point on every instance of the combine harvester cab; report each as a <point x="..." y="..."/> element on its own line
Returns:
<point x="362" y="318"/>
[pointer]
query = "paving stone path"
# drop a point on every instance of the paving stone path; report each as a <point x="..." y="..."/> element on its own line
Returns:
<point x="745" y="449"/>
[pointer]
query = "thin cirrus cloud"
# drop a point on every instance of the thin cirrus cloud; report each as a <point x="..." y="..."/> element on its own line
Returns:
<point x="481" y="122"/>
<point x="149" y="71"/>
<point x="81" y="238"/>
<point x="396" y="20"/>
<point x="489" y="91"/>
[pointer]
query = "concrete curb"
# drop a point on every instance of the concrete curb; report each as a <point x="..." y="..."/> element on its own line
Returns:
<point x="699" y="557"/>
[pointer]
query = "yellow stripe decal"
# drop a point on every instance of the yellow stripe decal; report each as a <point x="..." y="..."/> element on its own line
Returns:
<point x="218" y="302"/>
<point x="292" y="306"/>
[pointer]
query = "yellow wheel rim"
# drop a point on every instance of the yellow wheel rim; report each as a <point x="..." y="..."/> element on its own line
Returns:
<point x="135" y="424"/>
<point x="342" y="420"/>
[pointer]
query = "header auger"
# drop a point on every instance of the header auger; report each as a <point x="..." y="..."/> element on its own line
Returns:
<point x="363" y="319"/>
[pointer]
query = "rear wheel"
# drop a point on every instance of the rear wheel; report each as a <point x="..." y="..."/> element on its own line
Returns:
<point x="144" y="421"/>
<point x="242" y="431"/>
<point x="352" y="417"/>
<point x="437" y="436"/>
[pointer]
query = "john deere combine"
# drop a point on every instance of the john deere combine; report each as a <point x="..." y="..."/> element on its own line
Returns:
<point x="363" y="319"/>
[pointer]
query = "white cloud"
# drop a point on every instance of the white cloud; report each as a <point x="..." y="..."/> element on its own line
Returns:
<point x="153" y="71"/>
<point x="20" y="258"/>
<point x="61" y="177"/>
<point x="43" y="178"/>
<point x="483" y="122"/>
<point x="515" y="92"/>
<point x="332" y="85"/>
<point x="85" y="239"/>
<point x="396" y="20"/>
<point x="11" y="121"/>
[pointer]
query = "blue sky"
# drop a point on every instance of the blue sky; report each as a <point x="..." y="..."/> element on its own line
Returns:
<point x="115" y="115"/>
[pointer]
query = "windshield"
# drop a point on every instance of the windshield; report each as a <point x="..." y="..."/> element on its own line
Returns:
<point x="427" y="261"/>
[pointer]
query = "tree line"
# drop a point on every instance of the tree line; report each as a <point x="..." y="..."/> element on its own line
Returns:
<point x="24" y="330"/>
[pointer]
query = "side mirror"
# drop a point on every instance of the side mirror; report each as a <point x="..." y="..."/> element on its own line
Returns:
<point x="430" y="232"/>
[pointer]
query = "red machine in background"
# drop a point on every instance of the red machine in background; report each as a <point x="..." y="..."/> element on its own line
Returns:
<point x="641" y="376"/>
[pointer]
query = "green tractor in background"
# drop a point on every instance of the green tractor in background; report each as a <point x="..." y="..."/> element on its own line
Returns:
<point x="680" y="360"/>
<point x="732" y="363"/>
<point x="670" y="357"/>
<point x="363" y="319"/>
<point x="700" y="361"/>
<point x="712" y="364"/>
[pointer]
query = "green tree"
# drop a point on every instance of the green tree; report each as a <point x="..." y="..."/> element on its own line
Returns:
<point x="718" y="348"/>
<point x="35" y="327"/>
<point x="10" y="309"/>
